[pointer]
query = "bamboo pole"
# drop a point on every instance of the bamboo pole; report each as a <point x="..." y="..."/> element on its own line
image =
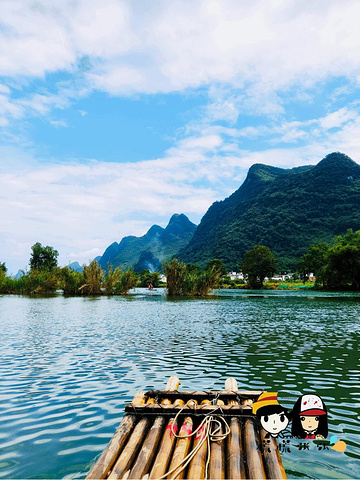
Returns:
<point x="235" y="463"/>
<point x="272" y="459"/>
<point x="148" y="450"/>
<point x="131" y="449"/>
<point x="214" y="393"/>
<point x="163" y="456"/>
<point x="217" y="455"/>
<point x="111" y="452"/>
<point x="231" y="385"/>
<point x="254" y="463"/>
<point x="190" y="409"/>
<point x="167" y="444"/>
<point x="182" y="447"/>
<point x="197" y="465"/>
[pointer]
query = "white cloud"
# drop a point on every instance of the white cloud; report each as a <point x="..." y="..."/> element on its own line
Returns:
<point x="232" y="42"/>
<point x="8" y="108"/>
<point x="59" y="123"/>
<point x="88" y="206"/>
<point x="43" y="103"/>
<point x="251" y="57"/>
<point x="33" y="39"/>
<point x="208" y="142"/>
<point x="100" y="30"/>
<point x="337" y="119"/>
<point x="4" y="89"/>
<point x="118" y="79"/>
<point x="21" y="106"/>
<point x="176" y="45"/>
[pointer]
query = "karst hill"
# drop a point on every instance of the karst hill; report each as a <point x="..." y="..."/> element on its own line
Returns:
<point x="284" y="209"/>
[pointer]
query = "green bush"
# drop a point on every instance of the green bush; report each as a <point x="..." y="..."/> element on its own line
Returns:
<point x="127" y="281"/>
<point x="190" y="280"/>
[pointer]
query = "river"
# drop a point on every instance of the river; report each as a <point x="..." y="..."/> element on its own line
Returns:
<point x="69" y="365"/>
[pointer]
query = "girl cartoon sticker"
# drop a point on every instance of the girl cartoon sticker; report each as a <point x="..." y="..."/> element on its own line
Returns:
<point x="309" y="418"/>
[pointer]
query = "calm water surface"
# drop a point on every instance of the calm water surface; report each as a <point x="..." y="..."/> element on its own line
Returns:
<point x="69" y="365"/>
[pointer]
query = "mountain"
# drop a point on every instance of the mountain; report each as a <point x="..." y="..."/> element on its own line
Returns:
<point x="150" y="250"/>
<point x="75" y="266"/>
<point x="19" y="274"/>
<point x="284" y="209"/>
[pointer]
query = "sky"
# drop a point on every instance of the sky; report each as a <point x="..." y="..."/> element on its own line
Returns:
<point x="114" y="114"/>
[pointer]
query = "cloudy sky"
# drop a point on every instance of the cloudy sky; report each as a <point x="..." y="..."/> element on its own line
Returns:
<point x="116" y="114"/>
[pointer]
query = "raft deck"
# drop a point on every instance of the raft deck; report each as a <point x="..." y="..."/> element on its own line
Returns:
<point x="180" y="434"/>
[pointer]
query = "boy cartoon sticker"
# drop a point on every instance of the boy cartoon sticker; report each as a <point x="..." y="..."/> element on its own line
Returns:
<point x="309" y="418"/>
<point x="273" y="417"/>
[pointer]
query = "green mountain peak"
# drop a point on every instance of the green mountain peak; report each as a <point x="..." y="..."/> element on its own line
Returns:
<point x="284" y="209"/>
<point x="150" y="250"/>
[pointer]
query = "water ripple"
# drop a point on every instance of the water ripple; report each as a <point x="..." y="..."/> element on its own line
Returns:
<point x="70" y="365"/>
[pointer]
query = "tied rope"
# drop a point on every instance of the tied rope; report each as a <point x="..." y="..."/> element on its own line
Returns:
<point x="211" y="426"/>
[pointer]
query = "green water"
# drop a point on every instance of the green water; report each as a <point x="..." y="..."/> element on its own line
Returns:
<point x="69" y="365"/>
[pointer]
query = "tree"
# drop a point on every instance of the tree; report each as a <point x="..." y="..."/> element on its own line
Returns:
<point x="93" y="274"/>
<point x="174" y="272"/>
<point x="43" y="258"/>
<point x="336" y="266"/>
<point x="314" y="261"/>
<point x="127" y="281"/>
<point x="257" y="264"/>
<point x="216" y="265"/>
<point x="44" y="281"/>
<point x="206" y="281"/>
<point x="111" y="279"/>
<point x="72" y="281"/>
<point x="190" y="279"/>
<point x="3" y="278"/>
<point x="343" y="266"/>
<point x="146" y="277"/>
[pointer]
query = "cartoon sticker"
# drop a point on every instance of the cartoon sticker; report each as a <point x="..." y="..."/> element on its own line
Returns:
<point x="309" y="422"/>
<point x="273" y="417"/>
<point x="309" y="418"/>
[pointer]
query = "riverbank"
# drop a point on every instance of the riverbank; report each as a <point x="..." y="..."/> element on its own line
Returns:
<point x="273" y="286"/>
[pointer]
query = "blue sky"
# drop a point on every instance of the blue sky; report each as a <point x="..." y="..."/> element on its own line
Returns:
<point x="116" y="114"/>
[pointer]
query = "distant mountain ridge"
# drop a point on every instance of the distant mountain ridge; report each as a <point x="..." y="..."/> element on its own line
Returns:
<point x="284" y="209"/>
<point x="150" y="250"/>
<point x="75" y="266"/>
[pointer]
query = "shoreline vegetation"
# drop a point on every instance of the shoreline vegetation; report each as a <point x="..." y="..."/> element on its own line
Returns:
<point x="335" y="267"/>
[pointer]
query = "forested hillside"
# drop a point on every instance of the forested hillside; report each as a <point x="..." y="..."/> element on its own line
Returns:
<point x="150" y="250"/>
<point x="283" y="209"/>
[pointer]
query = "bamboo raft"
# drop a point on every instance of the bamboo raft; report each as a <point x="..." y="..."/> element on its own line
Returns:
<point x="162" y="429"/>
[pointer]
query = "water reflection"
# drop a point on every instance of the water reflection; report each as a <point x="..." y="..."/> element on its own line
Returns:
<point x="70" y="364"/>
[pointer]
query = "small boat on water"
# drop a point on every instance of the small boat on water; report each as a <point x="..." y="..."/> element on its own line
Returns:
<point x="181" y="434"/>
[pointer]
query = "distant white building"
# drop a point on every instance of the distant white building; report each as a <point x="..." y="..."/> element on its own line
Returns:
<point x="280" y="278"/>
<point x="236" y="275"/>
